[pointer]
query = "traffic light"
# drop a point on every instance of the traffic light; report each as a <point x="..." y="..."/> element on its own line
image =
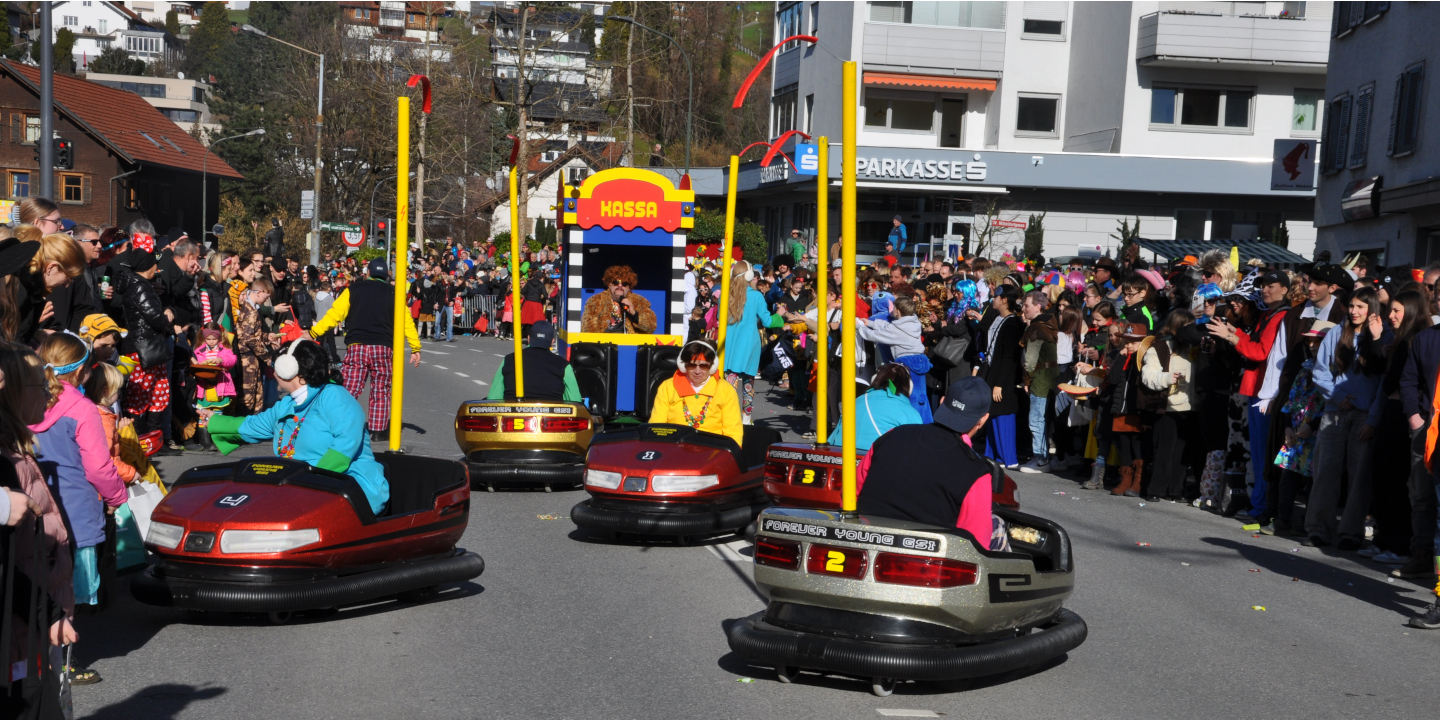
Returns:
<point x="382" y="229"/>
<point x="64" y="154"/>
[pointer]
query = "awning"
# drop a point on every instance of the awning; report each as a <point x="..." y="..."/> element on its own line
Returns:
<point x="928" y="82"/>
<point x="1269" y="253"/>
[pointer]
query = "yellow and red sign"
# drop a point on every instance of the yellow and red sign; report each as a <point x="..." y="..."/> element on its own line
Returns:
<point x="630" y="199"/>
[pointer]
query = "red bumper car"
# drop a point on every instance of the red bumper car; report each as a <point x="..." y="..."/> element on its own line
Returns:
<point x="278" y="536"/>
<point x="673" y="480"/>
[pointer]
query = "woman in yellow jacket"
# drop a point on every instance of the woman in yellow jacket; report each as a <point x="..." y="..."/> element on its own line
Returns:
<point x="697" y="397"/>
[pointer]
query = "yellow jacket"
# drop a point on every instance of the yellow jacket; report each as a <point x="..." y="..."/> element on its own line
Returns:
<point x="341" y="308"/>
<point x="721" y="415"/>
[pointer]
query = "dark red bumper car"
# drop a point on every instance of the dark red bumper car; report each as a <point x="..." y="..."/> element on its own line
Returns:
<point x="275" y="535"/>
<point x="673" y="480"/>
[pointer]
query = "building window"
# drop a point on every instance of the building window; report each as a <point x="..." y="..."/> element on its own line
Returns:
<point x="814" y="18"/>
<point x="1201" y="109"/>
<point x="72" y="188"/>
<point x="32" y="129"/>
<point x="1045" y="27"/>
<point x="1336" y="134"/>
<point x="809" y="114"/>
<point x="987" y="15"/>
<point x="71" y="20"/>
<point x="787" y="23"/>
<point x="899" y="113"/>
<point x="1038" y="116"/>
<point x="1360" y="136"/>
<point x="1190" y="224"/>
<point x="143" y="45"/>
<point x="1405" y="113"/>
<point x="1306" y="112"/>
<point x="19" y="185"/>
<point x="104" y="27"/>
<point x="362" y="14"/>
<point x="180" y="114"/>
<point x="782" y="110"/>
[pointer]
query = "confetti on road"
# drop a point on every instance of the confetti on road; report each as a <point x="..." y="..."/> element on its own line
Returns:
<point x="1142" y="504"/>
<point x="1057" y="492"/>
<point x="745" y="680"/>
<point x="1294" y="549"/>
<point x="549" y="516"/>
<point x="1251" y="527"/>
<point x="1390" y="580"/>
<point x="1185" y="564"/>
<point x="1143" y="544"/>
<point x="1261" y="608"/>
<point x="1254" y="569"/>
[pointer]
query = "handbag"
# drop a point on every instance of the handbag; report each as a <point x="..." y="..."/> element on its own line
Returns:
<point x="952" y="349"/>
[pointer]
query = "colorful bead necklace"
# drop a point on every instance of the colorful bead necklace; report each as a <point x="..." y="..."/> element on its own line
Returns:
<point x="691" y="420"/>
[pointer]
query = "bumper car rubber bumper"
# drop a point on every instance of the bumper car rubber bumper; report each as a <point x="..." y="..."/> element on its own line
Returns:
<point x="763" y="644"/>
<point x="289" y="596"/>
<point x="527" y="473"/>
<point x="586" y="515"/>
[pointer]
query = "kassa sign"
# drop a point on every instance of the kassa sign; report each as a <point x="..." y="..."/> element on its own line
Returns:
<point x="630" y="199"/>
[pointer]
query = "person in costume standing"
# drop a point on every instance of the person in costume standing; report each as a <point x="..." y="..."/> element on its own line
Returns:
<point x="617" y="309"/>
<point x="697" y="397"/>
<point x="314" y="422"/>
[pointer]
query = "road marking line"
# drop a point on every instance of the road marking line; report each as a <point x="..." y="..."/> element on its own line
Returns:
<point x="435" y="352"/>
<point x="497" y="354"/>
<point x="738" y="563"/>
<point x="440" y="367"/>
<point x="462" y="374"/>
<point x="480" y="382"/>
<point x="900" y="712"/>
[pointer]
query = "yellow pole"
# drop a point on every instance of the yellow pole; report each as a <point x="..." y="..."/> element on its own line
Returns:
<point x="822" y="307"/>
<point x="847" y="286"/>
<point x="515" y="281"/>
<point x="722" y="316"/>
<point x="402" y="248"/>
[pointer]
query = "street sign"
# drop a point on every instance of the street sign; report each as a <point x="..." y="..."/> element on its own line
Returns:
<point x="354" y="238"/>
<point x="339" y="226"/>
<point x="307" y="204"/>
<point x="1017" y="224"/>
<point x="807" y="159"/>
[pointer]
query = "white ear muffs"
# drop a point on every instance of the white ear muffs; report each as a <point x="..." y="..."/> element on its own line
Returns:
<point x="286" y="366"/>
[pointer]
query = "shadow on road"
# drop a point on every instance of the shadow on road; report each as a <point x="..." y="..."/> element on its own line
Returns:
<point x="157" y="702"/>
<point x="1393" y="597"/>
<point x="598" y="537"/>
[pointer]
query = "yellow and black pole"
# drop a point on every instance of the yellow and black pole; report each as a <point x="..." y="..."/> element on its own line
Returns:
<point x="722" y="316"/>
<point x="400" y="272"/>
<point x="822" y="304"/>
<point x="515" y="280"/>
<point x="847" y="285"/>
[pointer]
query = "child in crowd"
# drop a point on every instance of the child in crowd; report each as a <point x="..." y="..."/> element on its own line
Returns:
<point x="1118" y="396"/>
<point x="212" y="393"/>
<point x="255" y="346"/>
<point x="75" y="458"/>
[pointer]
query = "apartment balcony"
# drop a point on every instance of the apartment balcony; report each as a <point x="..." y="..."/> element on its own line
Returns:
<point x="1233" y="42"/>
<point x="933" y="50"/>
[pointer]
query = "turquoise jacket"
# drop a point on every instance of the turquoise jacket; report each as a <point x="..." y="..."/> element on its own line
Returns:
<point x="879" y="410"/>
<point x="742" y="339"/>
<point x="329" y="420"/>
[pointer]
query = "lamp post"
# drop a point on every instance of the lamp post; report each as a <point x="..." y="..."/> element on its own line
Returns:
<point x="205" y="181"/>
<point x="690" y="117"/>
<point x="319" y="127"/>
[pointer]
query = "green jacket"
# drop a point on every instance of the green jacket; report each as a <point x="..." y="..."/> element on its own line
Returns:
<point x="1042" y="366"/>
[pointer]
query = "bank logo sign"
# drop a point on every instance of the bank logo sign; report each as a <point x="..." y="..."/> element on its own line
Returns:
<point x="918" y="169"/>
<point x="807" y="159"/>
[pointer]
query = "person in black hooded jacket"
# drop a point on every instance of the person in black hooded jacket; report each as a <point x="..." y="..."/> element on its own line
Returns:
<point x="151" y="326"/>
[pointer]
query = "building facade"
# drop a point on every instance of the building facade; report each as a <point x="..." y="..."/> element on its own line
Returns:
<point x="1090" y="113"/>
<point x="182" y="100"/>
<point x="1379" y="187"/>
<point x="100" y="25"/>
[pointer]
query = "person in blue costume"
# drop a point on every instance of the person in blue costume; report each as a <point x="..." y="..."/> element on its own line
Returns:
<point x="747" y="315"/>
<point x="316" y="422"/>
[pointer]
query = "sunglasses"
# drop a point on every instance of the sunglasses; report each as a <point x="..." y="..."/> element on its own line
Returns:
<point x="699" y="366"/>
<point x="617" y="283"/>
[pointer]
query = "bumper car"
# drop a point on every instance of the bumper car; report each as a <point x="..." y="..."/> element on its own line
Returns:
<point x="673" y="480"/>
<point x="887" y="600"/>
<point x="270" y="535"/>
<point x="528" y="444"/>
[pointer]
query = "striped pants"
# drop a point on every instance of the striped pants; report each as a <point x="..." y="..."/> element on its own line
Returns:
<point x="373" y="363"/>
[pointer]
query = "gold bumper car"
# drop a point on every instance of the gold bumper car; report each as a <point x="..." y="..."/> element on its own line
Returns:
<point x="525" y="444"/>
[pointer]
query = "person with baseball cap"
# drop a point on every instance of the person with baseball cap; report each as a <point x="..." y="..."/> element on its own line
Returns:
<point x="931" y="473"/>
<point x="367" y="308"/>
<point x="547" y="375"/>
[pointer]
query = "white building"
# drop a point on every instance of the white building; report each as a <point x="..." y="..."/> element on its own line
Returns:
<point x="1380" y="176"/>
<point x="154" y="11"/>
<point x="1090" y="112"/>
<point x="99" y="25"/>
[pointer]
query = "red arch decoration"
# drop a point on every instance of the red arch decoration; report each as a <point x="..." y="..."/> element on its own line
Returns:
<point x="765" y="62"/>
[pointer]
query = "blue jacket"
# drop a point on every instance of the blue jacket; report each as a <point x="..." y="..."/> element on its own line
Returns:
<point x="331" y="420"/>
<point x="1363" y="389"/>
<point x="879" y="410"/>
<point x="742" y="339"/>
<point x="1422" y="366"/>
<point x="919" y="366"/>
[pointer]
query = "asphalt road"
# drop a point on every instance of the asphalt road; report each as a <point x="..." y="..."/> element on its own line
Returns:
<point x="560" y="626"/>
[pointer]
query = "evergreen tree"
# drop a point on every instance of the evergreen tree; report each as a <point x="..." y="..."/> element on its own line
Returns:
<point x="172" y="22"/>
<point x="1034" y="237"/>
<point x="210" y="43"/>
<point x="64" y="50"/>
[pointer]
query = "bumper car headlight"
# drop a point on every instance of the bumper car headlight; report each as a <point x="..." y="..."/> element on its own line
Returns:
<point x="266" y="541"/>
<point x="165" y="535"/>
<point x="682" y="483"/>
<point x="602" y="478"/>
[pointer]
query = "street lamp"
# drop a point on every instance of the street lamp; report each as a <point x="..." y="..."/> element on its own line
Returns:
<point x="319" y="126"/>
<point x="205" y="181"/>
<point x="690" y="120"/>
